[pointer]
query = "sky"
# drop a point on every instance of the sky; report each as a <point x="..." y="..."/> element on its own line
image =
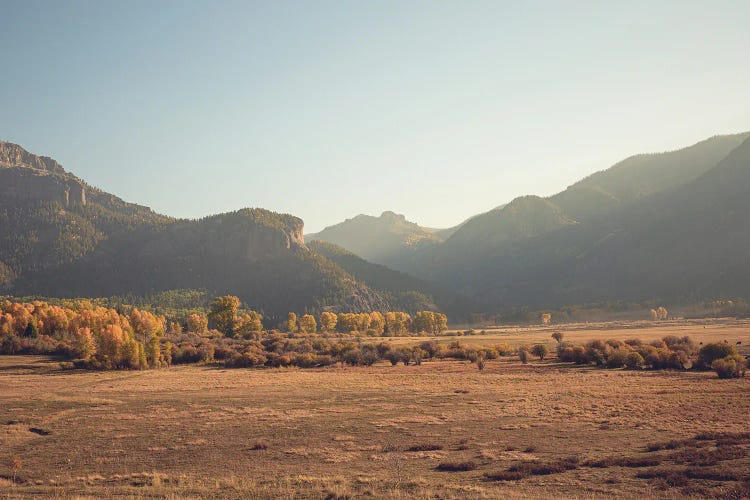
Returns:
<point x="434" y="109"/>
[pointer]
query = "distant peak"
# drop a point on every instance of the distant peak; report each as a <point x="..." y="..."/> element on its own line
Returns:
<point x="392" y="215"/>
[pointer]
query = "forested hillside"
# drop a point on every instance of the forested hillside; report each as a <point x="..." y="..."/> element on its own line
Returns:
<point x="61" y="237"/>
<point x="682" y="243"/>
<point x="666" y="226"/>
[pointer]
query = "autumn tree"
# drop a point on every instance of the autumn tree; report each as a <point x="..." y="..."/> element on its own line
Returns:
<point x="397" y="323"/>
<point x="377" y="323"/>
<point x="197" y="323"/>
<point x="83" y="344"/>
<point x="307" y="324"/>
<point x="328" y="322"/>
<point x="558" y="336"/>
<point x="661" y="313"/>
<point x="222" y="313"/>
<point x="291" y="322"/>
<point x="424" y="322"/>
<point x="441" y="322"/>
<point x="247" y="324"/>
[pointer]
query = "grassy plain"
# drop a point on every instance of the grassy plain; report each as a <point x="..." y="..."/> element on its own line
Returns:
<point x="381" y="431"/>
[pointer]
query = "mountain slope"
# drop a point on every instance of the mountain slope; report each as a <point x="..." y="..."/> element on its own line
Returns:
<point x="388" y="239"/>
<point x="643" y="175"/>
<point x="682" y="244"/>
<point x="402" y="290"/>
<point x="62" y="237"/>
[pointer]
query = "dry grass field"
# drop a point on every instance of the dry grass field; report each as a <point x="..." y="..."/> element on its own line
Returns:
<point x="558" y="431"/>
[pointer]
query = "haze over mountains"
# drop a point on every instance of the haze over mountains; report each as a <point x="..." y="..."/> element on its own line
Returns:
<point x="597" y="240"/>
<point x="670" y="226"/>
<point x="61" y="237"/>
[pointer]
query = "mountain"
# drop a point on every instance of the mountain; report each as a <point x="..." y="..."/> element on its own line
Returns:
<point x="402" y="290"/>
<point x="388" y="239"/>
<point x="61" y="237"/>
<point x="50" y="217"/>
<point x="680" y="240"/>
<point x="643" y="175"/>
<point x="641" y="229"/>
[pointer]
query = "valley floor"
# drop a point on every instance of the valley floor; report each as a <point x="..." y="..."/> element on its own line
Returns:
<point x="200" y="431"/>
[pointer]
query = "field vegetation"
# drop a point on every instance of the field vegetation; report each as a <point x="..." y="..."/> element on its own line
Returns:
<point x="440" y="429"/>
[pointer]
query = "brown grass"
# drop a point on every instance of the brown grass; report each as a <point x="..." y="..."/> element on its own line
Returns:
<point x="197" y="431"/>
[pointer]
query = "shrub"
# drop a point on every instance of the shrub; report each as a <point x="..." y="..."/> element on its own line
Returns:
<point x="711" y="352"/>
<point x="542" y="469"/>
<point x="565" y="353"/>
<point x="624" y="462"/>
<point x="425" y="447"/>
<point x="597" y="352"/>
<point x="633" y="360"/>
<point x="505" y="476"/>
<point x="395" y="356"/>
<point x="503" y="349"/>
<point x="523" y="355"/>
<point x="480" y="361"/>
<point x="617" y="358"/>
<point x="670" y="478"/>
<point x="456" y="466"/>
<point x="732" y="366"/>
<point x="540" y="350"/>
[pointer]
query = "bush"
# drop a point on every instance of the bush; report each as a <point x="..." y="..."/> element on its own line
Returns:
<point x="456" y="466"/>
<point x="505" y="476"/>
<point x="711" y="352"/>
<point x="540" y="350"/>
<point x="425" y="447"/>
<point x="523" y="355"/>
<point x="732" y="366"/>
<point x="633" y="360"/>
<point x="617" y="358"/>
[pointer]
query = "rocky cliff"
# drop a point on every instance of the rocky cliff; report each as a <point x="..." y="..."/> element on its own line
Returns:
<point x="27" y="177"/>
<point x="13" y="155"/>
<point x="251" y="234"/>
<point x="61" y="237"/>
<point x="26" y="184"/>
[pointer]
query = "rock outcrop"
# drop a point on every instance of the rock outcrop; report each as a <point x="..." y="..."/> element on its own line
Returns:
<point x="13" y="155"/>
<point x="248" y="234"/>
<point x="25" y="184"/>
<point x="28" y="177"/>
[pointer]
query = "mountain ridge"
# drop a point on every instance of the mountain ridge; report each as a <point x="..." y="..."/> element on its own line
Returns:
<point x="62" y="237"/>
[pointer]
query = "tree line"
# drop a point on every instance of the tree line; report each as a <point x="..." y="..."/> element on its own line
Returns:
<point x="226" y="316"/>
<point x="98" y="337"/>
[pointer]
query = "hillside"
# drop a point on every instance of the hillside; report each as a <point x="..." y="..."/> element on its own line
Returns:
<point x="61" y="237"/>
<point x="682" y="244"/>
<point x="654" y="226"/>
<point x="388" y="239"/>
<point x="643" y="175"/>
<point x="402" y="290"/>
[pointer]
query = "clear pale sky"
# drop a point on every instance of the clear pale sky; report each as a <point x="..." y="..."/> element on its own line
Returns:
<point x="437" y="110"/>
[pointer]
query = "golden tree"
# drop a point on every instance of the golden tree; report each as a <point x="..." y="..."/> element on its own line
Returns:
<point x="328" y="322"/>
<point x="307" y="324"/>
<point x="222" y="313"/>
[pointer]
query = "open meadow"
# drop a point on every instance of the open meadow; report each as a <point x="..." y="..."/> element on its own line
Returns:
<point x="441" y="429"/>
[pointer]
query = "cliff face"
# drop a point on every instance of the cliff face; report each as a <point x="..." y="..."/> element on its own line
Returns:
<point x="249" y="234"/>
<point x="61" y="237"/>
<point x="26" y="184"/>
<point x="27" y="177"/>
<point x="13" y="155"/>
